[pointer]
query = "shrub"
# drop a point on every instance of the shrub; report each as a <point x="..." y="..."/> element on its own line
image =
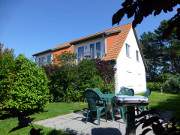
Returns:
<point x="154" y="86"/>
<point x="172" y="84"/>
<point x="68" y="81"/>
<point x="29" y="90"/>
<point x="63" y="81"/>
<point x="67" y="58"/>
<point x="6" y="73"/>
<point x="106" y="70"/>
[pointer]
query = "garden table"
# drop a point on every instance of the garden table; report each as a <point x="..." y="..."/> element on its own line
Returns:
<point x="131" y="102"/>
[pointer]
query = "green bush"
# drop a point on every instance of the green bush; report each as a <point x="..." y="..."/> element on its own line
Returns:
<point x="154" y="86"/>
<point x="172" y="84"/>
<point x="68" y="81"/>
<point x="29" y="90"/>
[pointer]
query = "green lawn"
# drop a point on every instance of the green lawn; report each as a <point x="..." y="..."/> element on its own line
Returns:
<point x="165" y="101"/>
<point x="52" y="110"/>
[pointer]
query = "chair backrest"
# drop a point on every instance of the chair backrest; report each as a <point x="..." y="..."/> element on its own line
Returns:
<point x="147" y="93"/>
<point x="98" y="91"/>
<point x="92" y="98"/>
<point x="126" y="91"/>
<point x="130" y="92"/>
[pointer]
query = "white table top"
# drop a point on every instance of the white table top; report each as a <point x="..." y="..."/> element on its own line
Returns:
<point x="131" y="99"/>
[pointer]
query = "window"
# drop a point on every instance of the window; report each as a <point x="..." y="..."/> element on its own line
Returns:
<point x="49" y="58"/>
<point x="98" y="50"/>
<point x="80" y="53"/>
<point x="92" y="52"/>
<point x="137" y="55"/>
<point x="128" y="50"/>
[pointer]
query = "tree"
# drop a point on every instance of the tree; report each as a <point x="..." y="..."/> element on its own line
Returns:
<point x="67" y="58"/>
<point x="143" y="8"/>
<point x="162" y="54"/>
<point x="29" y="88"/>
<point x="6" y="72"/>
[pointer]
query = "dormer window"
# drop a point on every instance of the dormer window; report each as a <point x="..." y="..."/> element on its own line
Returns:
<point x="93" y="50"/>
<point x="49" y="59"/>
<point x="80" y="53"/>
<point x="98" y="50"/>
<point x="128" y="50"/>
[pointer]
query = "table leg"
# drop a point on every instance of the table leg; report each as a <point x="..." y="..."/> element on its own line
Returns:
<point x="130" y="127"/>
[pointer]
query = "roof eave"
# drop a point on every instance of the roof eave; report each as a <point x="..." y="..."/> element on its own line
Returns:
<point x="43" y="52"/>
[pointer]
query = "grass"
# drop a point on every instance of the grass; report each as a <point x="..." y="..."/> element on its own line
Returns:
<point x="166" y="101"/>
<point x="55" y="109"/>
<point x="52" y="110"/>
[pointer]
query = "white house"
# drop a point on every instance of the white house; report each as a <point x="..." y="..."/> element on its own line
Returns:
<point x="119" y="44"/>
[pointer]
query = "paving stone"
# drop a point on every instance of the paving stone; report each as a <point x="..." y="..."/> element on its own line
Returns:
<point x="74" y="122"/>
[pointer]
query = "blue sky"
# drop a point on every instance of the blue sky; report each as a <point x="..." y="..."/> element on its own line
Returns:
<point x="30" y="26"/>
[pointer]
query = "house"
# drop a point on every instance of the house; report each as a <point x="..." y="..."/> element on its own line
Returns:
<point x="118" y="43"/>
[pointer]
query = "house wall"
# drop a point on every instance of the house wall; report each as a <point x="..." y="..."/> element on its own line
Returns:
<point x="59" y="52"/>
<point x="130" y="72"/>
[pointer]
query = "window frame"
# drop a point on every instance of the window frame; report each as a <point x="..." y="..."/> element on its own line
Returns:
<point x="79" y="58"/>
<point x="92" y="50"/>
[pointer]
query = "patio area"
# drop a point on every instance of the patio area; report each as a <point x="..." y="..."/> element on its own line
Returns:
<point x="74" y="123"/>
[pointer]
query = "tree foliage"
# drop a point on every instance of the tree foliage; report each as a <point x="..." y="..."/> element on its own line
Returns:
<point x="162" y="55"/>
<point x="6" y="72"/>
<point x="172" y="83"/>
<point x="68" y="81"/>
<point x="29" y="90"/>
<point x="143" y="8"/>
<point x="23" y="85"/>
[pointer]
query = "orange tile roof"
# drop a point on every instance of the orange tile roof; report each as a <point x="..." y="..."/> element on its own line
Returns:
<point x="115" y="42"/>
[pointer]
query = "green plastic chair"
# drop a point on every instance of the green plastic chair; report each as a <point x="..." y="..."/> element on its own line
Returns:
<point x="123" y="109"/>
<point x="108" y="98"/>
<point x="95" y="104"/>
<point x="98" y="91"/>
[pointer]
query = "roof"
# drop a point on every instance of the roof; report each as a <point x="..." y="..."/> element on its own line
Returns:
<point x="122" y="31"/>
<point x="115" y="43"/>
<point x="43" y="52"/>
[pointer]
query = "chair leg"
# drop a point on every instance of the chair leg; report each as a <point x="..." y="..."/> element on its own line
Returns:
<point x="123" y="115"/>
<point x="106" y="114"/>
<point x="112" y="114"/>
<point x="98" y="117"/>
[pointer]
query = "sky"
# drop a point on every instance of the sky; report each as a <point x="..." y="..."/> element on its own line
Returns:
<point x="30" y="26"/>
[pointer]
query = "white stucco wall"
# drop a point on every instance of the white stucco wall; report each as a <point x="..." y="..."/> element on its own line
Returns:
<point x="130" y="72"/>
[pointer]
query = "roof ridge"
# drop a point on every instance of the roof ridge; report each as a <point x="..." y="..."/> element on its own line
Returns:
<point x="65" y="43"/>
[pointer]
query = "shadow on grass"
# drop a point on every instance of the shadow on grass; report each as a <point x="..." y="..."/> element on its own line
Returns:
<point x="172" y="103"/>
<point x="11" y="113"/>
<point x="23" y="121"/>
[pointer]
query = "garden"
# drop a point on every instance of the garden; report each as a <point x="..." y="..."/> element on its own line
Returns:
<point x="44" y="92"/>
